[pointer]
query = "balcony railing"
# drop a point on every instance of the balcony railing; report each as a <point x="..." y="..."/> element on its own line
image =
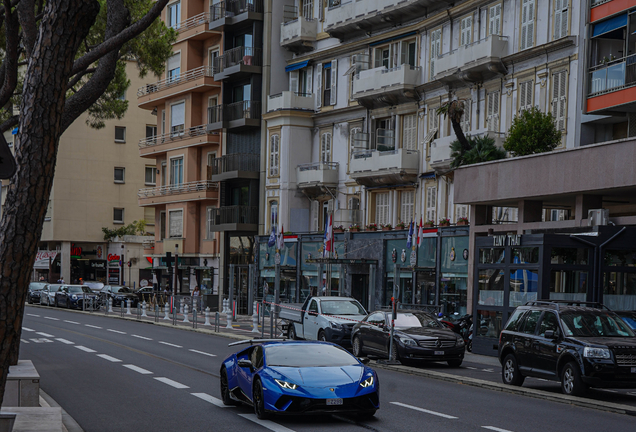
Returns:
<point x="197" y="20"/>
<point x="247" y="56"/>
<point x="291" y="100"/>
<point x="234" y="215"/>
<point x="235" y="162"/>
<point x="231" y="8"/>
<point x="196" y="186"/>
<point x="318" y="166"/>
<point x="203" y="71"/>
<point x="163" y="138"/>
<point x="290" y="13"/>
<point x="613" y="75"/>
<point x="215" y="114"/>
<point x="243" y="110"/>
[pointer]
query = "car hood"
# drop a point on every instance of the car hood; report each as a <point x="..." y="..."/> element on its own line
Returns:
<point x="320" y="376"/>
<point x="427" y="333"/>
<point x="349" y="319"/>
<point x="610" y="342"/>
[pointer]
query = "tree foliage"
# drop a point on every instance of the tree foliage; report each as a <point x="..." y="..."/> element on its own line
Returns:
<point x="134" y="228"/>
<point x="481" y="149"/>
<point x="532" y="131"/>
<point x="455" y="110"/>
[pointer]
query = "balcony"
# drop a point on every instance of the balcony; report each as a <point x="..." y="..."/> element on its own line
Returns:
<point x="346" y="217"/>
<point x="313" y="179"/>
<point x="379" y="168"/>
<point x="297" y="33"/>
<point x="191" y="191"/>
<point x="228" y="13"/>
<point x="194" y="28"/>
<point x="239" y="62"/>
<point x="234" y="218"/>
<point x="235" y="166"/>
<point x="288" y="100"/>
<point x="149" y="246"/>
<point x="613" y="85"/>
<point x="200" y="79"/>
<point x="380" y="87"/>
<point x="151" y="147"/>
<point x="347" y="20"/>
<point x="476" y="62"/>
<point x="440" y="153"/>
<point x="234" y="115"/>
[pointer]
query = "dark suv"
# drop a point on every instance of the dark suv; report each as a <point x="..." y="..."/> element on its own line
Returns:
<point x="580" y="344"/>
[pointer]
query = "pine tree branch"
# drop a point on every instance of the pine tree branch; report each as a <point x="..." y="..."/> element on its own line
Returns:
<point x="26" y="15"/>
<point x="12" y="28"/>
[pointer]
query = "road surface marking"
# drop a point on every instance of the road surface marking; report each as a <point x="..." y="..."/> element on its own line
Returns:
<point x="71" y="322"/>
<point x="24" y="340"/>
<point x="51" y="318"/>
<point x="138" y="369"/>
<point x="214" y="401"/>
<point x="92" y="326"/>
<point x="423" y="410"/>
<point x="266" y="423"/>
<point x="166" y="343"/>
<point x="172" y="383"/>
<point x="471" y="368"/>
<point x="27" y="329"/>
<point x="204" y="353"/>
<point x="115" y="331"/>
<point x="488" y="370"/>
<point x="83" y="348"/>
<point x="109" y="358"/>
<point x="496" y="429"/>
<point x="44" y="334"/>
<point x="41" y="340"/>
<point x="141" y="337"/>
<point x="67" y="342"/>
<point x="34" y="315"/>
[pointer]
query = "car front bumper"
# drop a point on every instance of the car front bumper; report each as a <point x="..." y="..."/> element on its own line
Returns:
<point x="427" y="354"/>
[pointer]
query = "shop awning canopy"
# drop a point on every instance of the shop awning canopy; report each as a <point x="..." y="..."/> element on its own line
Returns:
<point x="296" y="66"/>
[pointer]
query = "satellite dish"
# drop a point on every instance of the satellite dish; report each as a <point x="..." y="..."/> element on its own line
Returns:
<point x="7" y="161"/>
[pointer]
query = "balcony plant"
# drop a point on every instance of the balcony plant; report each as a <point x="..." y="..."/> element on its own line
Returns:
<point x="482" y="149"/>
<point x="462" y="221"/>
<point x="532" y="131"/>
<point x="371" y="227"/>
<point x="429" y="224"/>
<point x="400" y="226"/>
<point x="354" y="228"/>
<point x="338" y="229"/>
<point x="444" y="222"/>
<point x="386" y="227"/>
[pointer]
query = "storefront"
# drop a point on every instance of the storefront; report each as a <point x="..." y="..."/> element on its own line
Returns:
<point x="267" y="272"/>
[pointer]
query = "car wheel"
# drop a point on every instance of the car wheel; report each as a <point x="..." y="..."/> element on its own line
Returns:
<point x="469" y="346"/>
<point x="357" y="347"/>
<point x="366" y="415"/>
<point x="510" y="371"/>
<point x="225" y="389"/>
<point x="259" y="401"/>
<point x="291" y="332"/>
<point x="571" y="383"/>
<point x="321" y="336"/>
<point x="455" y="363"/>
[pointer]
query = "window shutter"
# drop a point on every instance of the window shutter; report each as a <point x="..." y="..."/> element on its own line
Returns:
<point x="334" y="81"/>
<point x="382" y="208"/>
<point x="319" y="86"/>
<point x="409" y="133"/>
<point x="527" y="24"/>
<point x="325" y="148"/>
<point x="310" y="80"/>
<point x="465" y="120"/>
<point x="436" y="37"/>
<point x="406" y="206"/>
<point x="493" y="112"/>
<point x="274" y="153"/>
<point x="560" y="18"/>
<point x="466" y="29"/>
<point x="495" y="19"/>
<point x="559" y="101"/>
<point x="176" y="223"/>
<point x="177" y="114"/>
<point x="315" y="213"/>
<point x="526" y="90"/>
<point x="293" y="81"/>
<point x="431" y="196"/>
<point x="174" y="62"/>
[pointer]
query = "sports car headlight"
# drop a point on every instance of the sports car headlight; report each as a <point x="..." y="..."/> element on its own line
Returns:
<point x="286" y="385"/>
<point x="74" y="297"/>
<point x="367" y="382"/>
<point x="600" y="353"/>
<point x="408" y="341"/>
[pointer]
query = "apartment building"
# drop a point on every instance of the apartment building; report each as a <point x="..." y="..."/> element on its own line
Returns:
<point x="205" y="144"/>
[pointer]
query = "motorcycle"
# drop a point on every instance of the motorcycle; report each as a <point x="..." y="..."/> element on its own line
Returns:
<point x="463" y="326"/>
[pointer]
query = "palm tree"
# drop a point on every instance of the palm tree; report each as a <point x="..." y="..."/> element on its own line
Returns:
<point x="480" y="149"/>
<point x="455" y="111"/>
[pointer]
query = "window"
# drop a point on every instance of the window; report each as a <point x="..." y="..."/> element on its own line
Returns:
<point x="461" y="211"/>
<point x="435" y="51"/>
<point x="465" y="120"/>
<point x="559" y="101"/>
<point x="273" y="215"/>
<point x="213" y="54"/>
<point x="300" y="81"/>
<point x="329" y="82"/>
<point x="151" y="131"/>
<point x="431" y="199"/>
<point x="122" y="96"/>
<point x="118" y="215"/>
<point x="210" y="223"/>
<point x="352" y="140"/>
<point x="407" y="52"/>
<point x="176" y="223"/>
<point x="164" y="172"/>
<point x="149" y="216"/>
<point x="382" y="208"/>
<point x="274" y="154"/>
<point x="531" y="322"/>
<point x="526" y="90"/>
<point x="407" y="205"/>
<point x="177" y="119"/>
<point x="494" y="19"/>
<point x="119" y="175"/>
<point x="527" y="24"/>
<point x="561" y="18"/>
<point x="466" y="30"/>
<point x="176" y="171"/>
<point x="325" y="147"/>
<point x="163" y="122"/>
<point x="162" y="223"/>
<point x="409" y="132"/>
<point x="150" y="175"/>
<point x="492" y="118"/>
<point x="174" y="15"/>
<point x="120" y="134"/>
<point x="308" y="9"/>
<point x="174" y="68"/>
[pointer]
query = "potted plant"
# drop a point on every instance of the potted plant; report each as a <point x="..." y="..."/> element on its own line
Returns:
<point x="354" y="228"/>
<point x="429" y="224"/>
<point x="462" y="221"/>
<point x="386" y="227"/>
<point x="371" y="227"/>
<point x="400" y="226"/>
<point x="444" y="222"/>
<point x="338" y="229"/>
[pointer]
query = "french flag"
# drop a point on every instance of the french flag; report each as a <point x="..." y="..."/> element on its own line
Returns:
<point x="420" y="234"/>
<point x="328" y="237"/>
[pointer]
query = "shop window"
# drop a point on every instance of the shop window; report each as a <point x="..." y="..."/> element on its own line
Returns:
<point x="620" y="258"/>
<point x="619" y="290"/>
<point x="491" y="287"/>
<point x="569" y="256"/>
<point x="120" y="134"/>
<point x="492" y="255"/>
<point x="489" y="323"/>
<point x="523" y="286"/>
<point x="568" y="285"/>
<point x="526" y="255"/>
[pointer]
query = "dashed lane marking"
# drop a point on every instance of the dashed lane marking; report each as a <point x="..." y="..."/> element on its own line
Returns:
<point x="51" y="318"/>
<point x="173" y="345"/>
<point x="214" y="401"/>
<point x="115" y="331"/>
<point x="25" y="341"/>
<point x="41" y="340"/>
<point x="496" y="429"/>
<point x="34" y="315"/>
<point x="275" y="427"/>
<point x="109" y="358"/>
<point x="172" y="383"/>
<point x="71" y="322"/>
<point x="138" y="369"/>
<point x="424" y="410"/>
<point x="92" y="326"/>
<point x="201" y="352"/>
<point x="83" y="348"/>
<point x="471" y="368"/>
<point x="27" y="329"/>
<point x="44" y="334"/>
<point x="64" y="341"/>
<point x="141" y="337"/>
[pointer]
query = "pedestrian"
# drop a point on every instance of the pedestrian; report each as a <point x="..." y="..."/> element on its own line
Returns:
<point x="41" y="278"/>
<point x="196" y="292"/>
<point x="81" y="281"/>
<point x="61" y="280"/>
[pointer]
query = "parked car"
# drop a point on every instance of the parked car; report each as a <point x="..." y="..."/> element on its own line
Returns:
<point x="417" y="336"/>
<point x="300" y="377"/>
<point x="73" y="296"/>
<point x="120" y="294"/>
<point x="35" y="288"/>
<point x="95" y="286"/>
<point x="146" y="293"/>
<point x="47" y="295"/>
<point x="579" y="344"/>
<point x="629" y="317"/>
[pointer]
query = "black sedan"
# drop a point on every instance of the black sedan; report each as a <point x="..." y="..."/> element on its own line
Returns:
<point x="418" y="336"/>
<point x="121" y="294"/>
<point x="35" y="288"/>
<point x="629" y="317"/>
<point x="73" y="296"/>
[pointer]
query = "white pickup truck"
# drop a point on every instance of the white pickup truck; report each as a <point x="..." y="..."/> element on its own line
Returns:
<point x="323" y="318"/>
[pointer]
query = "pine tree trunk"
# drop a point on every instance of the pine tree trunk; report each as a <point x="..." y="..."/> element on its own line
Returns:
<point x="64" y="26"/>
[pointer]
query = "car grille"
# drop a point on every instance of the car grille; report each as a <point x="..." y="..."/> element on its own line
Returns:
<point x="436" y="343"/>
<point x="294" y="404"/>
<point x="627" y="359"/>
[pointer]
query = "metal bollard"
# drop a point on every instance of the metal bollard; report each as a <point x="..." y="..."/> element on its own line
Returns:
<point x="166" y="311"/>
<point x="228" y="318"/>
<point x="185" y="314"/>
<point x="255" y="318"/>
<point x="128" y="304"/>
<point x="207" y="316"/>
<point x="216" y="321"/>
<point x="110" y="305"/>
<point x="224" y="306"/>
<point x="121" y="308"/>
<point x="181" y="306"/>
<point x="143" y="308"/>
<point x="156" y="313"/>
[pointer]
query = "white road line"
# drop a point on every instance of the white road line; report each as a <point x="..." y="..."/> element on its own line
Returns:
<point x="92" y="326"/>
<point x="44" y="334"/>
<point x="25" y="341"/>
<point x="172" y="383"/>
<point x="166" y="343"/>
<point x="83" y="348"/>
<point x="27" y="329"/>
<point x="423" y="410"/>
<point x="141" y="337"/>
<point x="67" y="342"/>
<point x="488" y="370"/>
<point x="204" y="353"/>
<point x="34" y="315"/>
<point x="41" y="340"/>
<point x="214" y="401"/>
<point x="138" y="369"/>
<point x="471" y="368"/>
<point x="71" y="322"/>
<point x="115" y="331"/>
<point x="496" y="429"/>
<point x="266" y="423"/>
<point x="109" y="358"/>
<point x="51" y="318"/>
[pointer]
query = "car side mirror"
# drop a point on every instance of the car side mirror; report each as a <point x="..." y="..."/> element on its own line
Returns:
<point x="244" y="363"/>
<point x="364" y="360"/>
<point x="551" y="334"/>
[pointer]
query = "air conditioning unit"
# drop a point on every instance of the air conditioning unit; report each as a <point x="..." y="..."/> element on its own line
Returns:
<point x="597" y="217"/>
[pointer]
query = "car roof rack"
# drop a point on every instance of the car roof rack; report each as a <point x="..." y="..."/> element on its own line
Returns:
<point x="557" y="303"/>
<point x="253" y="341"/>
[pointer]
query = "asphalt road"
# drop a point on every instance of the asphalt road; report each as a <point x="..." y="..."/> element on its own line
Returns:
<point x="115" y="375"/>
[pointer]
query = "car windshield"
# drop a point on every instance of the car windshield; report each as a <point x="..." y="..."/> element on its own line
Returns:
<point x="335" y="307"/>
<point x="630" y="320"/>
<point x="54" y="288"/>
<point x="79" y="289"/>
<point x="318" y="355"/>
<point x="120" y="289"/>
<point x="37" y="286"/>
<point x="594" y="324"/>
<point x="409" y="320"/>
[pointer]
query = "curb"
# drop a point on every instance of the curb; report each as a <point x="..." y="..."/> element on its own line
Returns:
<point x="68" y="423"/>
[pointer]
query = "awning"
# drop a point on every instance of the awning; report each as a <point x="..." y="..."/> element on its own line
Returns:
<point x="326" y="65"/>
<point x="296" y="66"/>
<point x="610" y="25"/>
<point x="428" y="175"/>
<point x="402" y="36"/>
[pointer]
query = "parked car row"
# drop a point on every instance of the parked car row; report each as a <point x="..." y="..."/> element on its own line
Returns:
<point x="71" y="295"/>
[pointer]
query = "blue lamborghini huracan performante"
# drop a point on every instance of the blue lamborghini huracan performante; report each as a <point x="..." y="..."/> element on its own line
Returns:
<point x="298" y="377"/>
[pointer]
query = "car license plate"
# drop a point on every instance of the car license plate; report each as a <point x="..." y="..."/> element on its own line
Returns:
<point x="334" y="401"/>
<point x="634" y="370"/>
<point x="439" y="352"/>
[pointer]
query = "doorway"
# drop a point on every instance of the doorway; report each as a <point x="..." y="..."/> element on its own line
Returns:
<point x="360" y="289"/>
<point x="241" y="288"/>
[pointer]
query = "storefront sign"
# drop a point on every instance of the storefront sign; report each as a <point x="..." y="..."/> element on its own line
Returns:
<point x="113" y="276"/>
<point x="452" y="254"/>
<point x="112" y="257"/>
<point x="76" y="251"/>
<point x="98" y="264"/>
<point x="507" y="240"/>
<point x="42" y="259"/>
<point x="413" y="260"/>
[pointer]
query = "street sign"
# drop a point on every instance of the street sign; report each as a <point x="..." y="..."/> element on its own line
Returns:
<point x="413" y="259"/>
<point x="7" y="161"/>
<point x="277" y="259"/>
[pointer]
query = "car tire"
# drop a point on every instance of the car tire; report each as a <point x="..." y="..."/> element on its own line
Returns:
<point x="321" y="336"/>
<point x="455" y="363"/>
<point x="571" y="383"/>
<point x="291" y="332"/>
<point x="510" y="371"/>
<point x="258" y="400"/>
<point x="225" y="389"/>
<point x="469" y="346"/>
<point x="366" y="415"/>
<point x="356" y="347"/>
